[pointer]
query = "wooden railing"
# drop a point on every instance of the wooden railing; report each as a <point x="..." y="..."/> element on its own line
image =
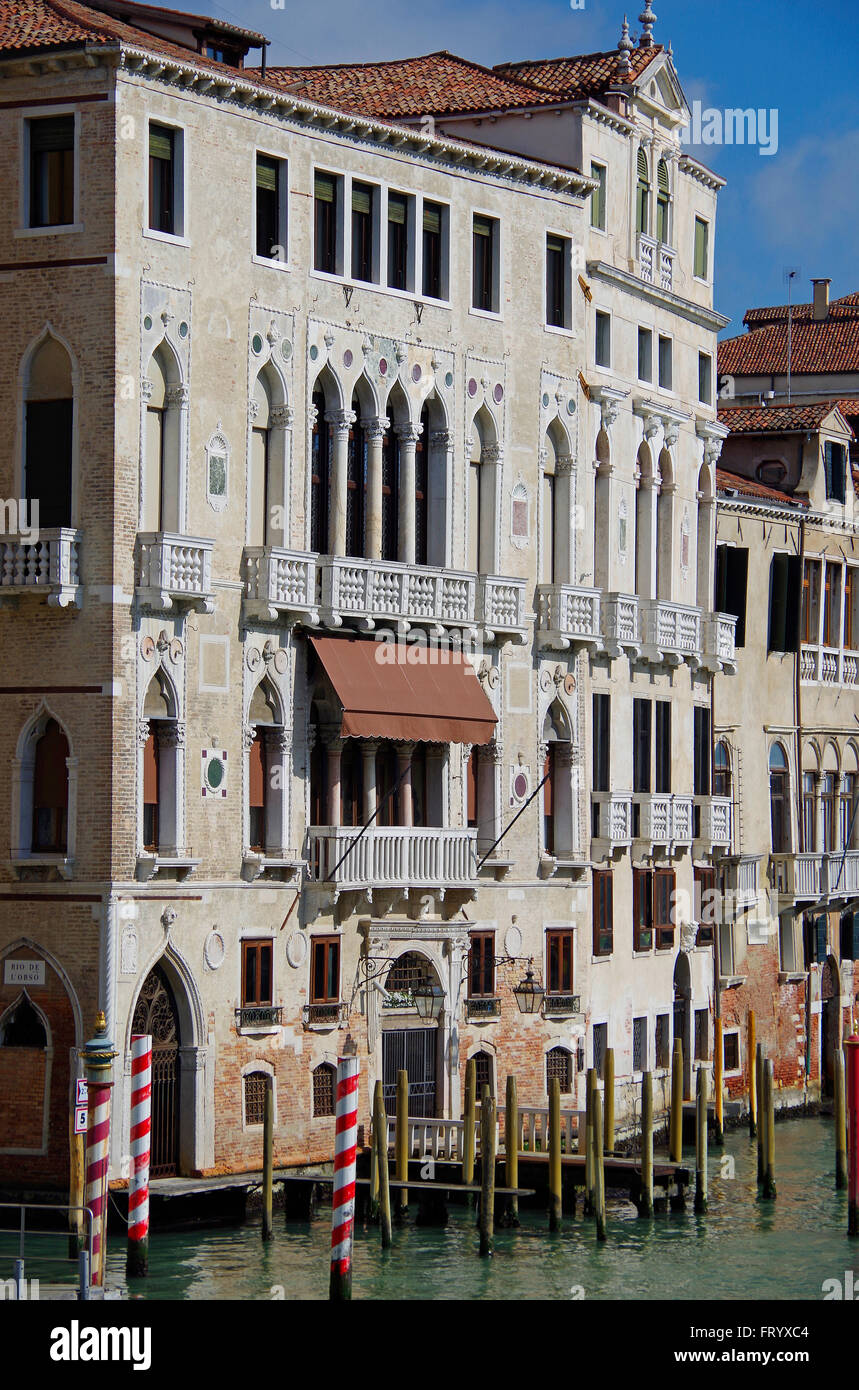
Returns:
<point x="445" y="1139"/>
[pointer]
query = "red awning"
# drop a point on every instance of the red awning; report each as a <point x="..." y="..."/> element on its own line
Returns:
<point x="399" y="691"/>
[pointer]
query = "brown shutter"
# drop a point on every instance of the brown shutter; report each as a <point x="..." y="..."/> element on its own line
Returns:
<point x="256" y="773"/>
<point x="150" y="771"/>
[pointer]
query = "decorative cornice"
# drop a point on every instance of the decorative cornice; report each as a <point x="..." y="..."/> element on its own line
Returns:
<point x="695" y="313"/>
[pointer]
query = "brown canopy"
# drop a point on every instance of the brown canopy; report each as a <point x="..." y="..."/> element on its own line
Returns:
<point x="400" y="691"/>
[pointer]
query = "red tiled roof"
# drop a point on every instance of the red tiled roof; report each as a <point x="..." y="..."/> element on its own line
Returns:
<point x="747" y="487"/>
<point x="830" y="346"/>
<point x="775" y="419"/>
<point x="585" y="76"/>
<point x="434" y="84"/>
<point x="845" y="307"/>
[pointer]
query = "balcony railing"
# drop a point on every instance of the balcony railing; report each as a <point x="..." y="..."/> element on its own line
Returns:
<point x="567" y="615"/>
<point x="613" y="817"/>
<point x="810" y="877"/>
<point x="373" y="591"/>
<point x="656" y="261"/>
<point x="393" y="856"/>
<point x="663" y="819"/>
<point x="174" y="570"/>
<point x="280" y="582"/>
<point x="829" y="666"/>
<point x="620" y="622"/>
<point x="482" y="1009"/>
<point x="556" y="1005"/>
<point x="501" y="606"/>
<point x="325" y="1015"/>
<point x="671" y="631"/>
<point x="48" y="565"/>
<point x="720" y="641"/>
<point x="259" y="1016"/>
<point x="713" y="817"/>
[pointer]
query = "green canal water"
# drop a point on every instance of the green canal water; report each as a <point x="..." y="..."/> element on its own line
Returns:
<point x="742" y="1249"/>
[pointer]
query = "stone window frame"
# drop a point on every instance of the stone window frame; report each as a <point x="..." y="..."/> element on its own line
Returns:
<point x="23" y="771"/>
<point x="49" y="1063"/>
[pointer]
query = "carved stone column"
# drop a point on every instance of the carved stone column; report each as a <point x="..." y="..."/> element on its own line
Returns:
<point x="340" y="422"/>
<point x="409" y="435"/>
<point x="404" y="765"/>
<point x="374" y="434"/>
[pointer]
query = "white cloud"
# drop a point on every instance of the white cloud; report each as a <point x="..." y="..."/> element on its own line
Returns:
<point x="807" y="199"/>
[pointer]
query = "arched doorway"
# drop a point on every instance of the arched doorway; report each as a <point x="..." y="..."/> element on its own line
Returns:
<point x="683" y="1017"/>
<point x="408" y="1042"/>
<point x="830" y="1023"/>
<point x="156" y="1014"/>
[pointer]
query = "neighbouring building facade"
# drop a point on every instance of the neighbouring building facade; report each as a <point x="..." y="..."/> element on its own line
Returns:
<point x="370" y="419"/>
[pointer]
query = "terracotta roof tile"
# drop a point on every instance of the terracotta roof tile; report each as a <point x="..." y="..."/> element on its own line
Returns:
<point x="845" y="307"/>
<point x="831" y="346"/>
<point x="435" y="84"/>
<point x="588" y="75"/>
<point x="747" y="487"/>
<point x="775" y="419"/>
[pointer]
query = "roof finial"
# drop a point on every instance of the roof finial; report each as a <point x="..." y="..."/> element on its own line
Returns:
<point x="624" y="48"/>
<point x="648" y="19"/>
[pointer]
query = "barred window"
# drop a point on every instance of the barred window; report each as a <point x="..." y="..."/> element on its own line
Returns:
<point x="409" y="970"/>
<point x="639" y="1044"/>
<point x="702" y="1035"/>
<point x="324" y="1078"/>
<point x="559" y="1063"/>
<point x="662" y="1052"/>
<point x="255" y="1084"/>
<point x="483" y="1074"/>
<point x="600" y="1045"/>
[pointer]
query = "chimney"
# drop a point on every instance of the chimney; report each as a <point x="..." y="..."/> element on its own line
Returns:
<point x="821" y="300"/>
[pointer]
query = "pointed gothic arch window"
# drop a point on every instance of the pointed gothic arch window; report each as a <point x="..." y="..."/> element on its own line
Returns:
<point x="48" y="435"/>
<point x="642" y="194"/>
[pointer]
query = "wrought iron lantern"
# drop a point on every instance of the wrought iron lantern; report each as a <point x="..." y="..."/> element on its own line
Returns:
<point x="429" y="999"/>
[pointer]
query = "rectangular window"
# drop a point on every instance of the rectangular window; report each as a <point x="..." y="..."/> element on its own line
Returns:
<point x="851" y="591"/>
<point x="642" y="909"/>
<point x="663" y="1053"/>
<point x="641" y="742"/>
<point x="52" y="171"/>
<point x="602" y="341"/>
<point x="732" y="577"/>
<point x="726" y="948"/>
<point x="639" y="1044"/>
<point x="784" y="603"/>
<point x="666" y="369"/>
<point x="164" y="179"/>
<point x="559" y="961"/>
<point x="809" y="812"/>
<point x="400" y="215"/>
<point x="481" y="965"/>
<point x="702" y="249"/>
<point x="603" y="912"/>
<point x="663" y="908"/>
<point x="434" y="246"/>
<point x="600" y="1045"/>
<point x="705" y="905"/>
<point x="663" y="746"/>
<point x="363" y="215"/>
<point x="848" y="803"/>
<point x="599" y="173"/>
<point x="705" y="378"/>
<point x="271" y="208"/>
<point x="602" y="743"/>
<point x="645" y="354"/>
<point x="810" y="619"/>
<point x="558" y="308"/>
<point x="835" y="471"/>
<point x="731" y="1051"/>
<point x="256" y="972"/>
<point x="831" y="605"/>
<point x="484" y="241"/>
<point x="325" y="970"/>
<point x="702" y="753"/>
<point x="327" y="204"/>
<point x="702" y="1035"/>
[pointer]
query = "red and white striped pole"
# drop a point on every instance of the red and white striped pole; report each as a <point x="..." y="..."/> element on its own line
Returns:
<point x="851" y="1047"/>
<point x="345" y="1150"/>
<point x="98" y="1055"/>
<point x="137" y="1259"/>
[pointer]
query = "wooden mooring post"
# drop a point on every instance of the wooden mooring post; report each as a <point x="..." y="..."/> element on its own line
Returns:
<point x="701" y="1142"/>
<point x="840" y="1120"/>
<point x="719" y="1085"/>
<point x="768" y="1189"/>
<point x="675" y="1151"/>
<point x="608" y="1100"/>
<point x="645" y="1207"/>
<point x="380" y="1144"/>
<point x="590" y="1088"/>
<point x="762" y="1126"/>
<point x="267" y="1158"/>
<point x="599" y="1166"/>
<point x="373" y="1200"/>
<point x="751" y="1059"/>
<point x="554" y="1154"/>
<point x="487" y="1173"/>
<point x="511" y="1152"/>
<point x="401" y="1144"/>
<point x="852" y="1049"/>
<point x="468" y="1130"/>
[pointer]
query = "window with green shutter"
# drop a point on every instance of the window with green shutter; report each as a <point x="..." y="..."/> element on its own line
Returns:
<point x="52" y="171"/>
<point x="484" y="267"/>
<point x="433" y="264"/>
<point x="327" y="201"/>
<point x="835" y="471"/>
<point x="663" y="201"/>
<point x="702" y="249"/>
<point x="785" y="592"/>
<point x="398" y="239"/>
<point x="642" y="195"/>
<point x="270" y="234"/>
<point x="363" y="201"/>
<point x="598" y="197"/>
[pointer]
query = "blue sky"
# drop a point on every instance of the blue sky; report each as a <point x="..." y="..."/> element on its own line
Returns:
<point x="797" y="208"/>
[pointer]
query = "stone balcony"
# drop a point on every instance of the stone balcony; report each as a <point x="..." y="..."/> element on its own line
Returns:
<point x="280" y="583"/>
<point x="663" y="819"/>
<point x="48" y="565"/>
<point x="815" y="877"/>
<point x="392" y="857"/>
<point x="656" y="261"/>
<point x="832" y="666"/>
<point x="713" y="821"/>
<point x="612" y="818"/>
<point x="621" y="626"/>
<point x="671" y="632"/>
<point x="720" y="642"/>
<point x="568" y="616"/>
<point x="174" y="571"/>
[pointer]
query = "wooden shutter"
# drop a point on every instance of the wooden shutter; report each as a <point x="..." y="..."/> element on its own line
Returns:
<point x="150" y="770"/>
<point x="256" y="776"/>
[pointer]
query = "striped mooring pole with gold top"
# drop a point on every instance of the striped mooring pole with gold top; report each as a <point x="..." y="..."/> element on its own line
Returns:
<point x="97" y="1056"/>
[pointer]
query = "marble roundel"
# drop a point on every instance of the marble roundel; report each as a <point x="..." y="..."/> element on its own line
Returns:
<point x="214" y="950"/>
<point x="296" y="949"/>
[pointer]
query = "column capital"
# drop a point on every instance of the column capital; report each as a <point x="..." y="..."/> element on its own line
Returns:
<point x="405" y="750"/>
<point x="143" y="732"/>
<point x="145" y="389"/>
<point x="248" y="736"/>
<point x="375" y="428"/>
<point x="279" y="739"/>
<point x="341" y="421"/>
<point x="564" y="463"/>
<point x="176" y="395"/>
<point x="492" y="453"/>
<point x="281" y="417"/>
<point x="409" y="432"/>
<point x="173" y="734"/>
<point x="369" y="747"/>
<point x="441" y="439"/>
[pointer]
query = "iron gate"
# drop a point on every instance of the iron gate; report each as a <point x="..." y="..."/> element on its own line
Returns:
<point x="156" y="1014"/>
<point x="415" y="1050"/>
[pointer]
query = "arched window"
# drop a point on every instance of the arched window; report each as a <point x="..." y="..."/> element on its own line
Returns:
<point x="779" y="800"/>
<point x="642" y="195"/>
<point x="603" y="520"/>
<point x="258" y="481"/>
<point x="324" y="1090"/>
<point x="559" y="1063"/>
<point x="557" y="790"/>
<point x="548" y="555"/>
<point x="410" y="969"/>
<point x="484" y="1074"/>
<point x="51" y="792"/>
<point x="706" y="539"/>
<point x="48" y="426"/>
<point x="663" y="203"/>
<point x="161" y="775"/>
<point x="721" y="770"/>
<point x="268" y="774"/>
<point x="482" y="496"/>
<point x="422" y="491"/>
<point x="665" y="569"/>
<point x="320" y="468"/>
<point x="163" y="454"/>
<point x="22" y="1026"/>
<point x="153" y="477"/>
<point x="645" y="526"/>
